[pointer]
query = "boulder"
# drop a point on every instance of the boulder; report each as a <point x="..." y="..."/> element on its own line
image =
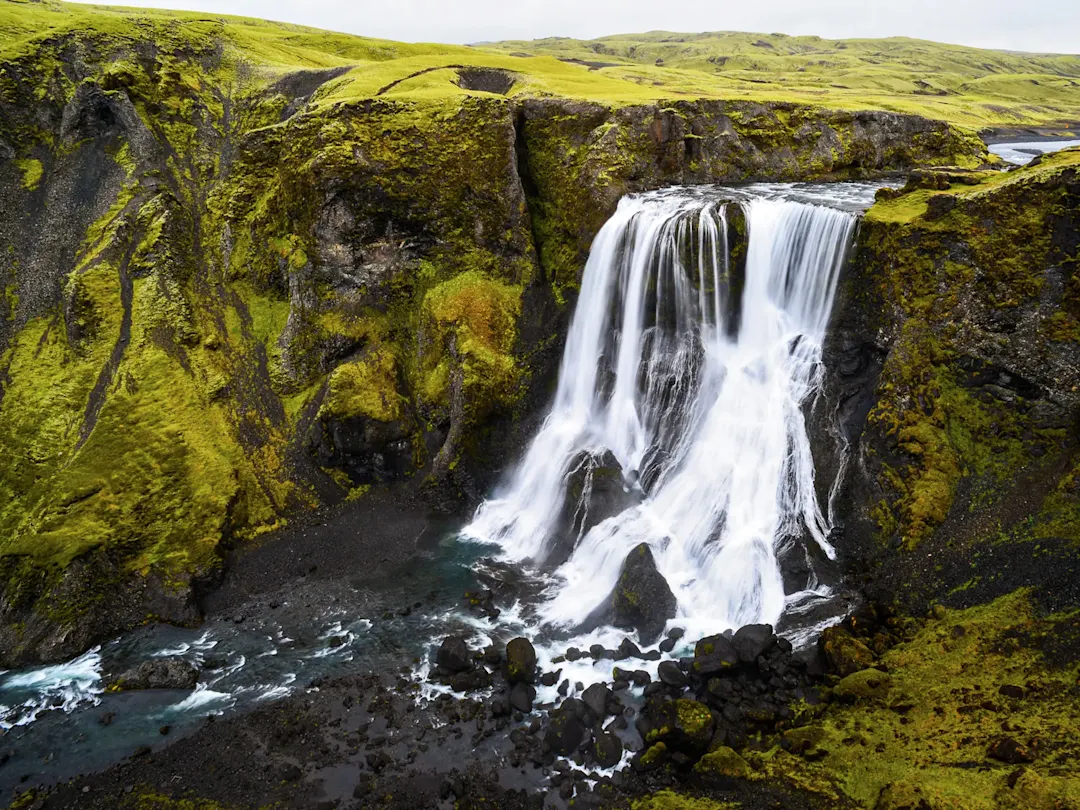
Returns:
<point x="713" y="655"/>
<point x="454" y="655"/>
<point x="843" y="652"/>
<point x="596" y="697"/>
<point x="1006" y="749"/>
<point x="683" y="725"/>
<point x="520" y="661"/>
<point x="160" y="673"/>
<point x="642" y="599"/>
<point x="607" y="749"/>
<point x="521" y="697"/>
<point x="669" y="673"/>
<point x="595" y="491"/>
<point x="566" y="732"/>
<point x="724" y="762"/>
<point x="865" y="685"/>
<point x="752" y="641"/>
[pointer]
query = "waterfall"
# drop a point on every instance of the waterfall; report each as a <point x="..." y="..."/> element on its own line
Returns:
<point x="688" y="377"/>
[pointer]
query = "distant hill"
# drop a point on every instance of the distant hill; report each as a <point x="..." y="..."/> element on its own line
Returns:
<point x="970" y="85"/>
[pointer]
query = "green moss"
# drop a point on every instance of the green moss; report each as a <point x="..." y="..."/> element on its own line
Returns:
<point x="32" y="172"/>
<point x="991" y="246"/>
<point x="474" y="320"/>
<point x="670" y="800"/>
<point x="366" y="387"/>
<point x="694" y="717"/>
<point x="936" y="712"/>
<point x="724" y="762"/>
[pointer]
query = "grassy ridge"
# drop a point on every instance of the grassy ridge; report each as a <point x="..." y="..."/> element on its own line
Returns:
<point x="961" y="84"/>
<point x="968" y="86"/>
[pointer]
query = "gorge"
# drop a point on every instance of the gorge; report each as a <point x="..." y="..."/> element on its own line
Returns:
<point x="303" y="337"/>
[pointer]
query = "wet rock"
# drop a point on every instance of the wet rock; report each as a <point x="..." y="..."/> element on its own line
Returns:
<point x="596" y="491"/>
<point x="1006" y="749"/>
<point x="607" y="750"/>
<point x="290" y="773"/>
<point x="596" y="697"/>
<point x="642" y="599"/>
<point x="713" y="655"/>
<point x="667" y="645"/>
<point x="752" y="641"/>
<point x="454" y="655"/>
<point x="566" y="731"/>
<point x="670" y="674"/>
<point x="160" y="673"/>
<point x="651" y="758"/>
<point x="520" y="661"/>
<point x="550" y="678"/>
<point x="628" y="649"/>
<point x="844" y="653"/>
<point x="522" y="696"/>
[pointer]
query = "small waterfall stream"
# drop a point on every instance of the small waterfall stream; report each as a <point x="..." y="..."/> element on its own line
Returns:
<point x="690" y="372"/>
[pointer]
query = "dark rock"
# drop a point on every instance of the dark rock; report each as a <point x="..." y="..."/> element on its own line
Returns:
<point x="160" y="673"/>
<point x="713" y="655"/>
<point x="596" y="490"/>
<point x="1006" y="749"/>
<point x="596" y="697"/>
<point x="550" y="678"/>
<point x="454" y="655"/>
<point x="596" y="651"/>
<point x="667" y="645"/>
<point x="642" y="599"/>
<point x="670" y="674"/>
<point x="520" y="661"/>
<point x="676" y="633"/>
<point x="628" y="649"/>
<point x="1010" y="691"/>
<point x="752" y="641"/>
<point x="651" y="758"/>
<point x="607" y="749"/>
<point x="107" y="718"/>
<point x="566" y="731"/>
<point x="521" y="697"/>
<point x="564" y="687"/>
<point x="290" y="772"/>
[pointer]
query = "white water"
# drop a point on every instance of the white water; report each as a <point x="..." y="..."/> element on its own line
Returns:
<point x="697" y="391"/>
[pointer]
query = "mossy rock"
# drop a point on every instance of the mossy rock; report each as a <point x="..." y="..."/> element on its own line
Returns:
<point x="867" y="684"/>
<point x="724" y="762"/>
<point x="845" y="653"/>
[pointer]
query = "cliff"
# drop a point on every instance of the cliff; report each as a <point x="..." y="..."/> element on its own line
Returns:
<point x="234" y="288"/>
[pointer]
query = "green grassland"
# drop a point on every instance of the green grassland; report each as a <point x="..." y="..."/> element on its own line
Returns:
<point x="960" y="84"/>
<point x="969" y="86"/>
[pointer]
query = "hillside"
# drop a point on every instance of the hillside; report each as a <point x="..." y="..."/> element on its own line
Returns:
<point x="967" y="85"/>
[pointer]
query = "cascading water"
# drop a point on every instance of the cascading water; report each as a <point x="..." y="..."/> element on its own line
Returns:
<point x="692" y="376"/>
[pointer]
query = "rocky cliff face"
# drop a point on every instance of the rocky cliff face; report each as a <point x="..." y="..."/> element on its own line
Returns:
<point x="222" y="301"/>
<point x="954" y="372"/>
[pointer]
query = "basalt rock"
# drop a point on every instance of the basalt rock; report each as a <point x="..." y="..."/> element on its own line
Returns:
<point x="520" y="661"/>
<point x="642" y="599"/>
<point x="160" y="673"/>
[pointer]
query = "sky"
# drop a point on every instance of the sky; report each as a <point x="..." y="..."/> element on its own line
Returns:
<point x="1027" y="25"/>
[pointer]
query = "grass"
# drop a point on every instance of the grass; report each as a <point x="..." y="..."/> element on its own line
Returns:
<point x="924" y="724"/>
<point x="965" y="85"/>
<point x="968" y="86"/>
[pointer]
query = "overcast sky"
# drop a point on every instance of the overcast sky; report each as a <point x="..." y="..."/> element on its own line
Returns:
<point x="1032" y="25"/>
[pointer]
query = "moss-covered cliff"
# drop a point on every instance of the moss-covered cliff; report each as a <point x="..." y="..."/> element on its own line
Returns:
<point x="957" y="331"/>
<point x="236" y="283"/>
